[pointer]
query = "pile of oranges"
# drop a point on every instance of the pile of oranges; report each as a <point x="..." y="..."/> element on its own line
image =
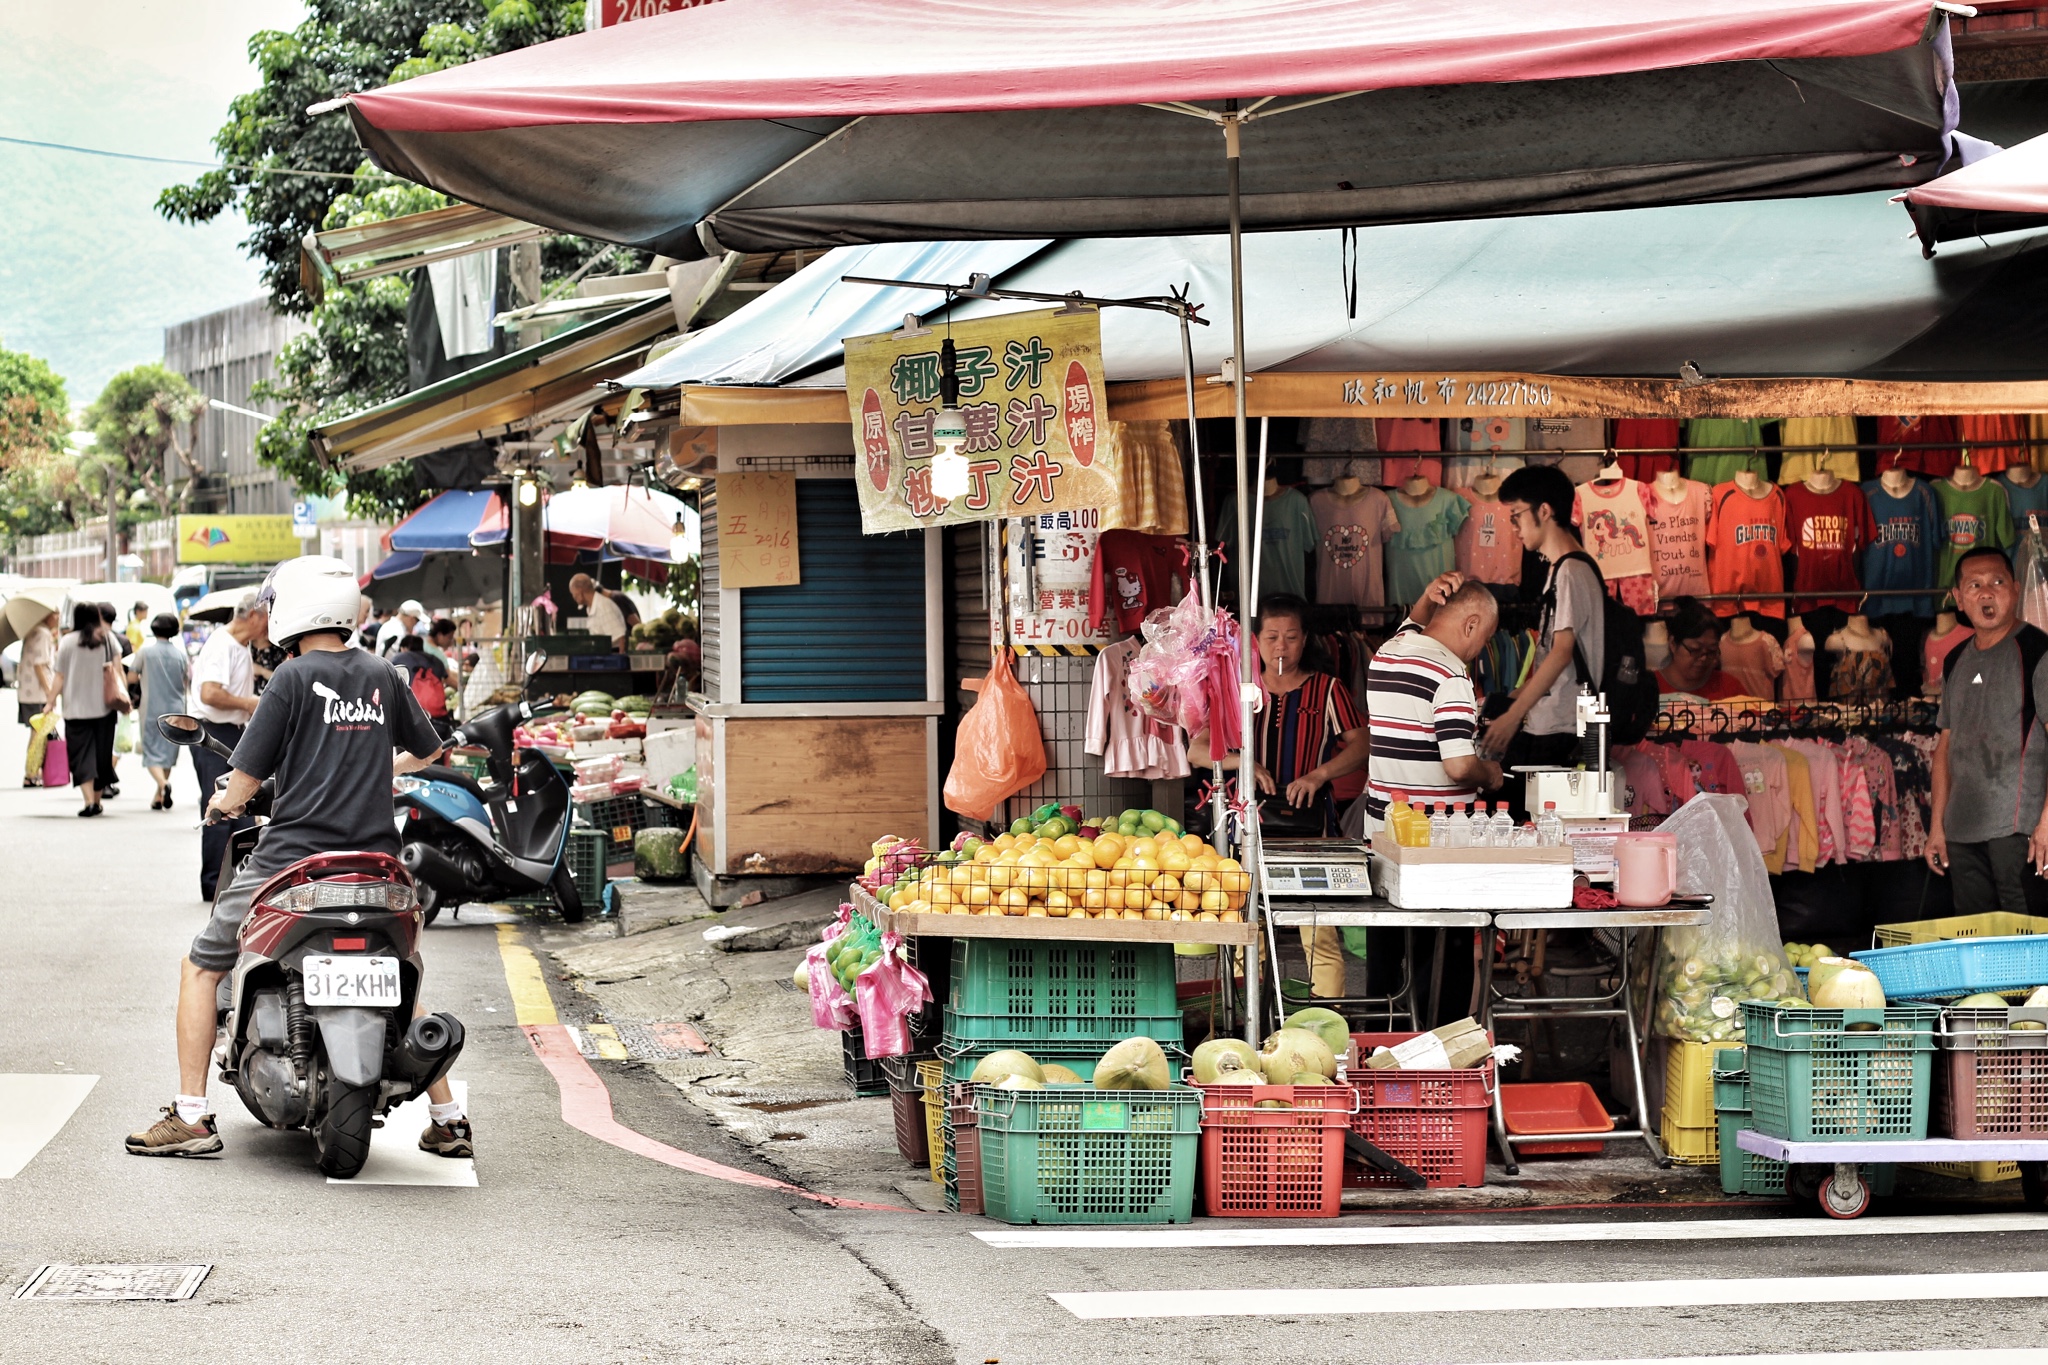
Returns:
<point x="1156" y="876"/>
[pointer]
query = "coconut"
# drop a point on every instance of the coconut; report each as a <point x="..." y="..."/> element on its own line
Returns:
<point x="1309" y="1046"/>
<point x="1133" y="1064"/>
<point x="1326" y="1024"/>
<point x="1055" y="1074"/>
<point x="2038" y="998"/>
<point x="1823" y="970"/>
<point x="1220" y="1056"/>
<point x="991" y="1069"/>
<point x="1851" y="986"/>
<point x="1280" y="1065"/>
<point x="801" y="977"/>
<point x="1017" y="1080"/>
<point x="1981" y="1000"/>
<point x="1311" y="1078"/>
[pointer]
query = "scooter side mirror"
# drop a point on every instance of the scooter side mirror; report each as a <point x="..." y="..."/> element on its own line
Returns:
<point x="535" y="662"/>
<point x="181" y="729"/>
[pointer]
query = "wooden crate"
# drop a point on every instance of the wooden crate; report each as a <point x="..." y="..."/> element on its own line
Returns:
<point x="795" y="795"/>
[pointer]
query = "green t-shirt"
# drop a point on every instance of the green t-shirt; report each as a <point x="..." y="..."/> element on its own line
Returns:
<point x="1423" y="547"/>
<point x="1287" y="540"/>
<point x="1972" y="518"/>
<point x="1722" y="431"/>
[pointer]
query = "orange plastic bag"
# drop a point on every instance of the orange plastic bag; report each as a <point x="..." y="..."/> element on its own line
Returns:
<point x="999" y="750"/>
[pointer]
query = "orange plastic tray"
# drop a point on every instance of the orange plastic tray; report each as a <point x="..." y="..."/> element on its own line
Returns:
<point x="1554" y="1107"/>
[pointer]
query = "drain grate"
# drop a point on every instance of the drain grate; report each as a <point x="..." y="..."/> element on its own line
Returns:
<point x="106" y="1283"/>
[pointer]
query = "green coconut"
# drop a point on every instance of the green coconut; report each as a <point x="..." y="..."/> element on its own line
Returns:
<point x="1982" y="1000"/>
<point x="1315" y="1054"/>
<point x="1017" y="1080"/>
<point x="1216" y="1058"/>
<point x="1133" y="1064"/>
<point x="1055" y="1074"/>
<point x="1326" y="1024"/>
<point x="991" y="1069"/>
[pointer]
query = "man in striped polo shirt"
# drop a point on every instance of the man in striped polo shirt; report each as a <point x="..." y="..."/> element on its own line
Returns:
<point x="1421" y="713"/>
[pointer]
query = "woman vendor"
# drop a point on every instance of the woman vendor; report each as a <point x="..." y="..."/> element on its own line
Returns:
<point x="1695" y="667"/>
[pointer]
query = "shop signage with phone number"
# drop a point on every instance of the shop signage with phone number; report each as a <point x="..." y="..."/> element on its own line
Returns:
<point x="1032" y="397"/>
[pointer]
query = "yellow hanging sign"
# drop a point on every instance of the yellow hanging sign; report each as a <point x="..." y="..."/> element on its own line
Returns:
<point x="236" y="540"/>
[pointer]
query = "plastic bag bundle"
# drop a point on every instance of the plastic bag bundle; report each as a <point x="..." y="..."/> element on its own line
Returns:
<point x="1000" y="750"/>
<point x="890" y="991"/>
<point x="835" y="964"/>
<point x="1708" y="971"/>
<point x="1186" y="671"/>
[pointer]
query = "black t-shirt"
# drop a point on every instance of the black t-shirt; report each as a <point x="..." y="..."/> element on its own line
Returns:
<point x="325" y="730"/>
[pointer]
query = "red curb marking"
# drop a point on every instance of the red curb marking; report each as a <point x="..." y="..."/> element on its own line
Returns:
<point x="682" y="1036"/>
<point x="587" y="1107"/>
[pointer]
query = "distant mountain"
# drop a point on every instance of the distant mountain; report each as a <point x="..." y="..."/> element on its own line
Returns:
<point x="90" y="275"/>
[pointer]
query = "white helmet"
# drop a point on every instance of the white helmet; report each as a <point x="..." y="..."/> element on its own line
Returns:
<point x="312" y="592"/>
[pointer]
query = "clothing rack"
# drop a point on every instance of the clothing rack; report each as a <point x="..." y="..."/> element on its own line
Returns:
<point x="1682" y="721"/>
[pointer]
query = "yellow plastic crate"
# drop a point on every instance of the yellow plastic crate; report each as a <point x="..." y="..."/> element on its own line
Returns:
<point x="1995" y="924"/>
<point x="1689" y="1084"/>
<point x="1983" y="1172"/>
<point x="931" y="1080"/>
<point x="1689" y="1146"/>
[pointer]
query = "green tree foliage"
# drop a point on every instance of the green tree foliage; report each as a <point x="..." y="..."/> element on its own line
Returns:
<point x="35" y="418"/>
<point x="141" y="418"/>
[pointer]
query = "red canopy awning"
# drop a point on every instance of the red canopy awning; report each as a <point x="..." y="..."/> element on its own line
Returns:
<point x="775" y="124"/>
<point x="747" y="59"/>
<point x="2004" y="192"/>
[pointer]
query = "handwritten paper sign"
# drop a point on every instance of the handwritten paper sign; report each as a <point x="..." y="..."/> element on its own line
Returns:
<point x="1035" y="410"/>
<point x="757" y="546"/>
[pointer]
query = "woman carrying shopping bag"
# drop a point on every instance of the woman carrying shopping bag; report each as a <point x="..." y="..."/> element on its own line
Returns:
<point x="94" y="690"/>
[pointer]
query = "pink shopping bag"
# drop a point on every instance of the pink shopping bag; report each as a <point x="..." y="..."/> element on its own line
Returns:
<point x="57" y="763"/>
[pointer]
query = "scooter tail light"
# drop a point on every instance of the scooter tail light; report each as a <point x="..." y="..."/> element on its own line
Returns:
<point x="309" y="896"/>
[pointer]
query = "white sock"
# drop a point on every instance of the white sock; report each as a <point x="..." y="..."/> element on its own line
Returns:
<point x="445" y="1114"/>
<point x="191" y="1108"/>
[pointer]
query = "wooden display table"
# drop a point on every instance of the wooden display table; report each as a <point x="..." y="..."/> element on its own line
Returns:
<point x="1076" y="928"/>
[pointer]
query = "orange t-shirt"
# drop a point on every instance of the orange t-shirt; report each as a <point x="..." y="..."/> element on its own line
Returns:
<point x="1745" y="539"/>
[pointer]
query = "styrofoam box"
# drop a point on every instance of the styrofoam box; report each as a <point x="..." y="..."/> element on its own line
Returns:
<point x="1474" y="878"/>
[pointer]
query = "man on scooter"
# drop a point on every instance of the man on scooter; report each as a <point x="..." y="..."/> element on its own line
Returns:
<point x="326" y="729"/>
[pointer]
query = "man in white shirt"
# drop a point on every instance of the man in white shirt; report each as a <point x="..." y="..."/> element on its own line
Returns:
<point x="410" y="614"/>
<point x="605" y="617"/>
<point x="223" y="698"/>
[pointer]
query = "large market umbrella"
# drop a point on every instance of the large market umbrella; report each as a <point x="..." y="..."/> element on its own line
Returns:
<point x="2006" y="192"/>
<point x="445" y="522"/>
<point x="218" y="606"/>
<point x="633" y="523"/>
<point x="770" y="124"/>
<point x="435" y="579"/>
<point x="26" y="610"/>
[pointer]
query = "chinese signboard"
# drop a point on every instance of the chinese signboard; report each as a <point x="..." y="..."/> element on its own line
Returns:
<point x="1031" y="393"/>
<point x="236" y="540"/>
<point x="1050" y="559"/>
<point x="757" y="544"/>
<point x="605" y="13"/>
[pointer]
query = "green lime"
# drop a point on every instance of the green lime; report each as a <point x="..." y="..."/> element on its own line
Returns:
<point x="1174" y="825"/>
<point x="1021" y="825"/>
<point x="1131" y="817"/>
<point x="1153" y="821"/>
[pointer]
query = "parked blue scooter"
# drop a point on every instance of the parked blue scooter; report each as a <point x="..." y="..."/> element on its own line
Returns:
<point x="506" y="835"/>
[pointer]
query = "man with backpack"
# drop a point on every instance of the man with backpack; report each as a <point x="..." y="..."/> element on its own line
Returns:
<point x="1583" y="637"/>
<point x="427" y="676"/>
<point x="1988" y="770"/>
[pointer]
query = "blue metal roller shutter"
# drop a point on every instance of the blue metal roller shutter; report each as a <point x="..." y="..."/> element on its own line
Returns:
<point x="853" y="630"/>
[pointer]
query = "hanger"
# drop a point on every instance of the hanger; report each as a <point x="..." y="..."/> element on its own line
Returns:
<point x="1611" y="472"/>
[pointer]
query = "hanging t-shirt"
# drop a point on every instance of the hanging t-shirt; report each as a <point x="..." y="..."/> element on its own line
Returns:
<point x="1351" y="535"/>
<point x="1488" y="546"/>
<point x="1719" y="468"/>
<point x="1827" y="531"/>
<point x="1757" y="662"/>
<point x="1745" y="537"/>
<point x="1652" y="437"/>
<point x="1899" y="432"/>
<point x="2023" y="500"/>
<point x="1287" y="541"/>
<point x="1995" y="440"/>
<point x="1678" y="540"/>
<point x="1408" y="433"/>
<point x="1825" y="432"/>
<point x="1974" y="518"/>
<point x="1462" y="471"/>
<point x="1907" y="533"/>
<point x="1130" y="743"/>
<point x="1396" y="470"/>
<point x="1133" y="576"/>
<point x="1424" y="546"/>
<point x="1936" y="652"/>
<point x="1615" y="527"/>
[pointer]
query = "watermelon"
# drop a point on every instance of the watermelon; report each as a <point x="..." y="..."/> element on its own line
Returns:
<point x="636" y="705"/>
<point x="591" y="697"/>
<point x="658" y="855"/>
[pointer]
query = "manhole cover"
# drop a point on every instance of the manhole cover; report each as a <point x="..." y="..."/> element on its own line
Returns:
<point x="103" y="1283"/>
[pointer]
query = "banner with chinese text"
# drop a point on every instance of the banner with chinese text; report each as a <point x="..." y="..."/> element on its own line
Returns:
<point x="1032" y="395"/>
<point x="236" y="539"/>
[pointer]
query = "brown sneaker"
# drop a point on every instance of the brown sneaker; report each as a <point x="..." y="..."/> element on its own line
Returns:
<point x="172" y="1136"/>
<point x="449" y="1140"/>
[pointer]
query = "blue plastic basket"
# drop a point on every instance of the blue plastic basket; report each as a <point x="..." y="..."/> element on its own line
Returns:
<point x="1961" y="966"/>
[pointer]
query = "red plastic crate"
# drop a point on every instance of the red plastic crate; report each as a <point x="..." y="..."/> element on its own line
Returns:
<point x="1274" y="1163"/>
<point x="1554" y="1107"/>
<point x="1990" y="1080"/>
<point x="963" y="1150"/>
<point x="1432" y="1121"/>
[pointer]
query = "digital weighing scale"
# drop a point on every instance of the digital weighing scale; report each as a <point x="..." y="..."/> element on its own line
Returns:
<point x="1315" y="867"/>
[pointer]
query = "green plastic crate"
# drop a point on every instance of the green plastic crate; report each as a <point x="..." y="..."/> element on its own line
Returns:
<point x="1051" y="992"/>
<point x="1089" y="1156"/>
<point x="1731" y="1078"/>
<point x="587" y="853"/>
<point x="1815" y="1078"/>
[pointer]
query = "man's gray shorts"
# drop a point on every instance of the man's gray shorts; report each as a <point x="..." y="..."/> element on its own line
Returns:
<point x="218" y="945"/>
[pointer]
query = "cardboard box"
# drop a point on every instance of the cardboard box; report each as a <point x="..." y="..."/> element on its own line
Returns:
<point x="1473" y="878"/>
<point x="1455" y="1046"/>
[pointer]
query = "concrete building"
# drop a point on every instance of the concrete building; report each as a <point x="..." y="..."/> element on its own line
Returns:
<point x="224" y="354"/>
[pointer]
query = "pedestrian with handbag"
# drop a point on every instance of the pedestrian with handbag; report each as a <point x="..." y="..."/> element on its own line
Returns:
<point x="223" y="698"/>
<point x="94" y="690"/>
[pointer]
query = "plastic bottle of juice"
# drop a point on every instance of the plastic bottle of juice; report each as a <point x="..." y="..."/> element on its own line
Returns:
<point x="1399" y="813"/>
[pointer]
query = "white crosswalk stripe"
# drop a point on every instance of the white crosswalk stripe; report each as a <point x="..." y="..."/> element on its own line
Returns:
<point x="34" y="1109"/>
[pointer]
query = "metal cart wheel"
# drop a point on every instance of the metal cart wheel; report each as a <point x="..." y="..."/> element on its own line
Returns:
<point x="2034" y="1183"/>
<point x="1845" y="1194"/>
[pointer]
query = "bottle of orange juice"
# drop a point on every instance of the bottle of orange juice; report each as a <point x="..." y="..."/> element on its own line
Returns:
<point x="1400" y="822"/>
